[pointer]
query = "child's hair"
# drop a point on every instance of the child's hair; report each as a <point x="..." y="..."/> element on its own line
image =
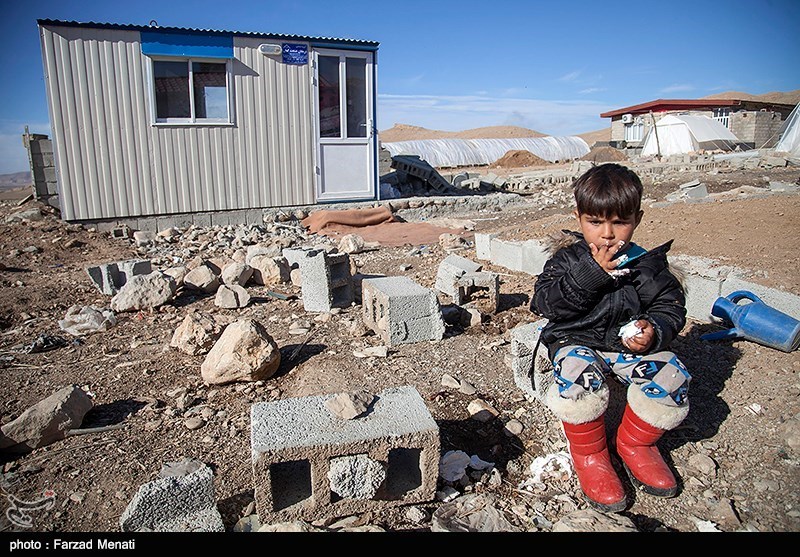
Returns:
<point x="608" y="190"/>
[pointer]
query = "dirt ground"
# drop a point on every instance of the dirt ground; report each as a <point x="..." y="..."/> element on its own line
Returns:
<point x="745" y="397"/>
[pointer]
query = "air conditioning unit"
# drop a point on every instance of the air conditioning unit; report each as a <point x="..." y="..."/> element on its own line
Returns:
<point x="638" y="120"/>
<point x="627" y="118"/>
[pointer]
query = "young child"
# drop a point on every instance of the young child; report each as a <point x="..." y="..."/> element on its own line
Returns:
<point x="609" y="317"/>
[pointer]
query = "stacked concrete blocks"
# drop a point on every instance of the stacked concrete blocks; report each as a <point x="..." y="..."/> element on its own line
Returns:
<point x="530" y="363"/>
<point x="309" y="463"/>
<point x="400" y="311"/>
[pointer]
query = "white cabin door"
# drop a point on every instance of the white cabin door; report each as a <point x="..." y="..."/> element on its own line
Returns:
<point x="344" y="96"/>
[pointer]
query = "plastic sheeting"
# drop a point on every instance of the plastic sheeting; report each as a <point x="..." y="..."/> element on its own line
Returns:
<point x="677" y="134"/>
<point x="443" y="153"/>
<point x="790" y="140"/>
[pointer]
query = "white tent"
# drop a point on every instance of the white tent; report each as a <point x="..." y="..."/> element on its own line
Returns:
<point x="790" y="139"/>
<point x="675" y="134"/>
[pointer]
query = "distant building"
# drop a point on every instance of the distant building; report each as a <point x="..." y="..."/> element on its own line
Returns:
<point x="206" y="126"/>
<point x="757" y="124"/>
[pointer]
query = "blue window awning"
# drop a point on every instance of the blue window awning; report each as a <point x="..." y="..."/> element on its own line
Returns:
<point x="189" y="45"/>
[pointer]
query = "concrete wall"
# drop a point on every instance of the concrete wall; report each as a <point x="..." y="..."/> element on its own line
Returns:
<point x="43" y="167"/>
<point x="757" y="129"/>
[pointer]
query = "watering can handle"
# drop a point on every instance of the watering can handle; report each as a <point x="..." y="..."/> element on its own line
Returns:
<point x="743" y="294"/>
<point x="721" y="335"/>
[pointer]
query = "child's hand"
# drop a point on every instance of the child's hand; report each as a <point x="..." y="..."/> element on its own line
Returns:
<point x="641" y="341"/>
<point x="605" y="254"/>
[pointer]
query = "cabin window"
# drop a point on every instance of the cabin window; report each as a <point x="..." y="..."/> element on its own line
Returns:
<point x="723" y="115"/>
<point x="192" y="91"/>
<point x="634" y="132"/>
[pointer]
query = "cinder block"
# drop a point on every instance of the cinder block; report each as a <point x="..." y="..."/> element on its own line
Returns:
<point x="452" y="268"/>
<point x="534" y="256"/>
<point x="530" y="362"/>
<point x="183" y="502"/>
<point x="401" y="311"/>
<point x="310" y="464"/>
<point x="527" y="257"/>
<point x="326" y="279"/>
<point x="483" y="247"/>
<point x="483" y="281"/>
<point x="110" y="277"/>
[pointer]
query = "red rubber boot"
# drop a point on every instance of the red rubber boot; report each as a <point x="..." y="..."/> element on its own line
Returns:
<point x="599" y="481"/>
<point x="636" y="441"/>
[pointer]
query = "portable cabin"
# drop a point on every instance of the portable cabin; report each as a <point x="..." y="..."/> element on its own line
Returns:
<point x="210" y="125"/>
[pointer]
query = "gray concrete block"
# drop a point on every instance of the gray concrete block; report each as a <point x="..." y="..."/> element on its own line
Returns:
<point x="507" y="254"/>
<point x="530" y="363"/>
<point x="326" y="279"/>
<point x="483" y="248"/>
<point x="524" y="256"/>
<point x="452" y="268"/>
<point x="110" y="277"/>
<point x="401" y="311"/>
<point x="175" y="503"/>
<point x="534" y="256"/>
<point x="297" y="445"/>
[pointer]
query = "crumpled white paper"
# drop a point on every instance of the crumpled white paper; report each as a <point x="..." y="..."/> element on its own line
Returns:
<point x="629" y="330"/>
<point x="453" y="465"/>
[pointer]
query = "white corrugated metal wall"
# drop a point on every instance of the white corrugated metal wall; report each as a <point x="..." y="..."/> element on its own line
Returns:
<point x="112" y="162"/>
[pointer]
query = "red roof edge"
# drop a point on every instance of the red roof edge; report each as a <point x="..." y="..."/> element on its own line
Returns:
<point x="660" y="105"/>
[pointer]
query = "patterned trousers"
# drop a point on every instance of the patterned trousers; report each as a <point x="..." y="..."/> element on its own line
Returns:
<point x="661" y="376"/>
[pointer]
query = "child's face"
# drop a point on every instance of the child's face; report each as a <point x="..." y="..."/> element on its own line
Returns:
<point x="608" y="231"/>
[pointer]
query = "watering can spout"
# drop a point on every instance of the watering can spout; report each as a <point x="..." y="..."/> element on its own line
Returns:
<point x="755" y="321"/>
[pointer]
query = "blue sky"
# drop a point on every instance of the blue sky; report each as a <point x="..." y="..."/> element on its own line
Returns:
<point x="451" y="65"/>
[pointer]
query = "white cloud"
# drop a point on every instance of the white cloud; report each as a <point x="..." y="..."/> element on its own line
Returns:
<point x="571" y="76"/>
<point x="677" y="88"/>
<point x="457" y="113"/>
<point x="591" y="90"/>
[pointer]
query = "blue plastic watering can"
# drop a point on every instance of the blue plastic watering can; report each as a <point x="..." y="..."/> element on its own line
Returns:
<point x="756" y="322"/>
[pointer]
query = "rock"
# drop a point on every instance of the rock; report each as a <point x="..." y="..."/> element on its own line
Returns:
<point x="202" y="278"/>
<point x="144" y="292"/>
<point x="355" y="477"/>
<point x="236" y="273"/>
<point x="194" y="422"/>
<point x="349" y="405"/>
<point x="244" y="352"/>
<point x="481" y="411"/>
<point x="703" y="464"/>
<point x="450" y="381"/>
<point x="47" y="421"/>
<point x="196" y="334"/>
<point x="231" y="296"/>
<point x="351" y="243"/>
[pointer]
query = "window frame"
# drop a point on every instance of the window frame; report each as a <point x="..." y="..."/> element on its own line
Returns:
<point x="634" y="132"/>
<point x="722" y="115"/>
<point x="192" y="120"/>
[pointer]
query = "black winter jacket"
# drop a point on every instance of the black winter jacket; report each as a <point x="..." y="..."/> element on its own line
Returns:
<point x="587" y="306"/>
